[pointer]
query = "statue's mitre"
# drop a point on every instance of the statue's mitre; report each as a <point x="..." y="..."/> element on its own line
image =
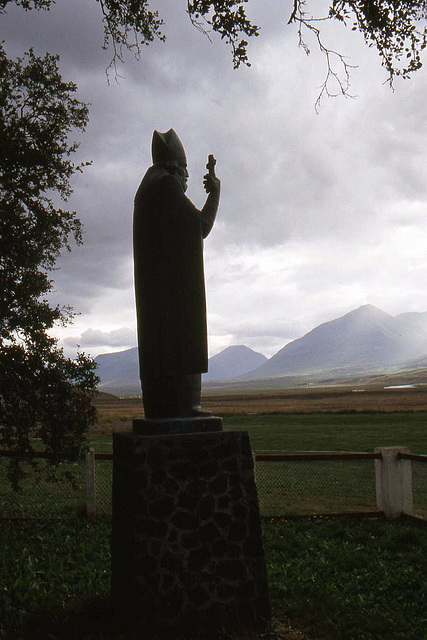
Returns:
<point x="167" y="148"/>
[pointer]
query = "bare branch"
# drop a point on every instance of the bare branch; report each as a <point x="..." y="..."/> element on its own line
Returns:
<point x="339" y="79"/>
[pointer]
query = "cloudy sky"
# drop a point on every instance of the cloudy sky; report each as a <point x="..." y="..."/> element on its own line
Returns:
<point x="320" y="212"/>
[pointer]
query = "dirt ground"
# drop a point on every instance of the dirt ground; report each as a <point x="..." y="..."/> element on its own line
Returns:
<point x="303" y="400"/>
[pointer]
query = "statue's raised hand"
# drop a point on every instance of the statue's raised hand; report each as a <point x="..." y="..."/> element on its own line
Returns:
<point x="210" y="181"/>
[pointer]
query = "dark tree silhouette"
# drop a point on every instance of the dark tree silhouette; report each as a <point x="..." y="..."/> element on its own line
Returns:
<point x="42" y="393"/>
<point x="395" y="27"/>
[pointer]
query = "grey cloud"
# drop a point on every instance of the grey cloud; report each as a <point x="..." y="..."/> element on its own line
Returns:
<point x="324" y="184"/>
<point x="95" y="338"/>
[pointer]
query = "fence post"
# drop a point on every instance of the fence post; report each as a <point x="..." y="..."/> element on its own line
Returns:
<point x="90" y="484"/>
<point x="393" y="482"/>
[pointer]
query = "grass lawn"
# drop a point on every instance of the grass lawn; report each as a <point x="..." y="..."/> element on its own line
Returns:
<point x="317" y="431"/>
<point x="319" y="487"/>
<point x="285" y="488"/>
<point x="333" y="431"/>
<point x="331" y="580"/>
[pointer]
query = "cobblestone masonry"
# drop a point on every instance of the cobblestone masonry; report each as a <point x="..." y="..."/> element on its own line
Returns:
<point x="187" y="549"/>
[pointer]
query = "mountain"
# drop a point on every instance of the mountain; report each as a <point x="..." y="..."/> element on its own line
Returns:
<point x="364" y="339"/>
<point x="414" y="319"/>
<point x="119" y="372"/>
<point x="232" y="362"/>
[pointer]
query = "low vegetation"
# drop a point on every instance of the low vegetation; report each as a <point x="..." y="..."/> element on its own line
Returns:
<point x="346" y="579"/>
<point x="319" y="431"/>
<point x="330" y="580"/>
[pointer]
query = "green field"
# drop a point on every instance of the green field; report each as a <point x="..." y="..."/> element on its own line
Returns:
<point x="321" y="431"/>
<point x="332" y="580"/>
<point x="333" y="431"/>
<point x="284" y="488"/>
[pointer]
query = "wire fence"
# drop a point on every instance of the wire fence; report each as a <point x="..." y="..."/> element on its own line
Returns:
<point x="309" y="484"/>
<point x="45" y="492"/>
<point x="287" y="484"/>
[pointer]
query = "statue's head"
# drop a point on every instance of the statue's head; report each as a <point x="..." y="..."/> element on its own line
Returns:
<point x="167" y="150"/>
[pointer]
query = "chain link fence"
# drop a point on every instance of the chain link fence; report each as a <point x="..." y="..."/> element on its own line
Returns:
<point x="296" y="485"/>
<point x="288" y="485"/>
<point x="45" y="492"/>
<point x="103" y="485"/>
<point x="418" y="475"/>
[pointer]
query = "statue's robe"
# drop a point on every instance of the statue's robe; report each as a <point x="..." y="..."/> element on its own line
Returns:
<point x="169" y="278"/>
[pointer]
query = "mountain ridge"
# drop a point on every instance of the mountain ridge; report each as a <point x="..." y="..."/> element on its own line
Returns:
<point x="365" y="337"/>
<point x="363" y="341"/>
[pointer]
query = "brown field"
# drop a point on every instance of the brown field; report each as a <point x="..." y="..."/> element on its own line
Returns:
<point x="112" y="409"/>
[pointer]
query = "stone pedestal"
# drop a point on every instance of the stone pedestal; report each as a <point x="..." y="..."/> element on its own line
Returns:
<point x="187" y="550"/>
<point x="160" y="426"/>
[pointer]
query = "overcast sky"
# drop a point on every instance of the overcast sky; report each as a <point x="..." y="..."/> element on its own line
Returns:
<point x="320" y="212"/>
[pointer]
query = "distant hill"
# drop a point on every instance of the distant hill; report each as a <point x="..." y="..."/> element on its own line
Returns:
<point x="363" y="340"/>
<point x="233" y="362"/>
<point x="119" y="372"/>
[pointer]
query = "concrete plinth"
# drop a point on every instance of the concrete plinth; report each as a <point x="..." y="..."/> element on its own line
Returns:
<point x="187" y="550"/>
<point x="158" y="426"/>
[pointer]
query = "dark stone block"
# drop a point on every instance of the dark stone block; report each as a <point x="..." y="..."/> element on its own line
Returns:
<point x="218" y="485"/>
<point x="209" y="532"/>
<point x="147" y="564"/>
<point x="185" y="501"/>
<point x="255" y="525"/>
<point x="151" y="528"/>
<point x="156" y="547"/>
<point x="236" y="494"/>
<point x="209" y="469"/>
<point x="167" y="582"/>
<point x="237" y="531"/>
<point x="262" y="610"/>
<point x="184" y="520"/>
<point x="231" y="465"/>
<point x="198" y="595"/>
<point x="161" y="508"/>
<point x="139" y="476"/>
<point x="252" y="547"/>
<point x="206" y="507"/>
<point x="173" y="604"/>
<point x="240" y="511"/>
<point x="220" y="547"/>
<point x="186" y="524"/>
<point x="182" y="471"/>
<point x="246" y="611"/>
<point x="225" y="449"/>
<point x="223" y="502"/>
<point x="176" y="426"/>
<point x="222" y="519"/>
<point x="247" y="590"/>
<point x="226" y="591"/>
<point x="172" y="536"/>
<point x="171" y="487"/>
<point x="235" y="480"/>
<point x="155" y="456"/>
<point x="189" y="541"/>
<point x="177" y="453"/>
<point x="197" y="561"/>
<point x="196" y="489"/>
<point x="198" y="456"/>
<point x="234" y="570"/>
<point x="158" y="477"/>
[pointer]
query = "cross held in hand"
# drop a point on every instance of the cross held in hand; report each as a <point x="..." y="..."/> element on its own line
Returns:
<point x="211" y="165"/>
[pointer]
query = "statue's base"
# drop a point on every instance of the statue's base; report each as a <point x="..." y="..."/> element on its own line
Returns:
<point x="159" y="426"/>
<point x="187" y="552"/>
